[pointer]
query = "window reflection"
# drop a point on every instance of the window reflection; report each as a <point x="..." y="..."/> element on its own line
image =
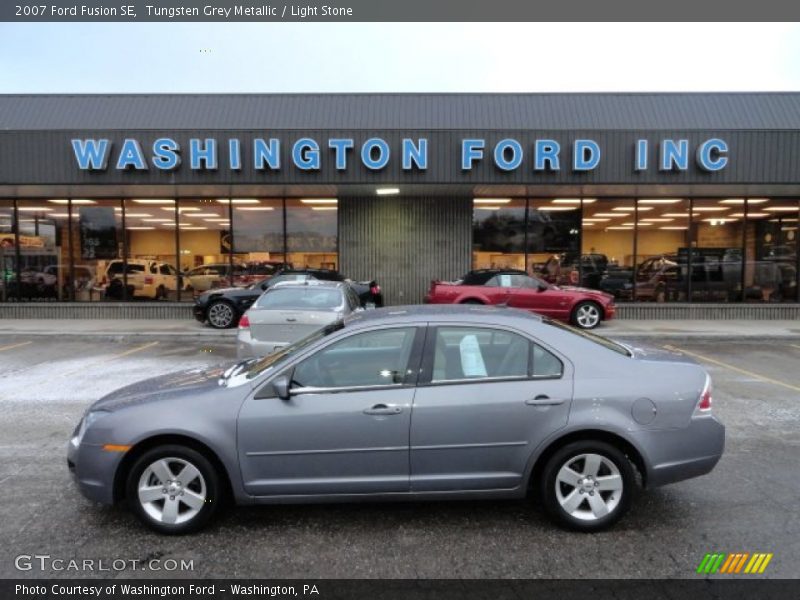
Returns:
<point x="498" y="233"/>
<point x="311" y="232"/>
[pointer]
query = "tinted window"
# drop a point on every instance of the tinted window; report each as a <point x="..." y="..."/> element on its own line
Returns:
<point x="545" y="363"/>
<point x="308" y="298"/>
<point x="365" y="359"/>
<point x="476" y="353"/>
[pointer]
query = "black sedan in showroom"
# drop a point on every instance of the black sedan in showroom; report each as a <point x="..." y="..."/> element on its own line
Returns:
<point x="222" y="308"/>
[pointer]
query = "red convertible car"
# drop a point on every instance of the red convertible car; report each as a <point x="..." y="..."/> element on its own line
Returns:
<point x="582" y="307"/>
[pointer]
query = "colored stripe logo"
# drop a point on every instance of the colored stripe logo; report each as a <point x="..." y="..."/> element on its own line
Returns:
<point x="735" y="563"/>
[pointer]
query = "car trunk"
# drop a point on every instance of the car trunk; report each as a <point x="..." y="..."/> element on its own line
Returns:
<point x="287" y="325"/>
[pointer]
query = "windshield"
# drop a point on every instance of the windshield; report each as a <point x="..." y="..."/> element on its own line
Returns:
<point x="301" y="298"/>
<point x="259" y="366"/>
<point x="592" y="337"/>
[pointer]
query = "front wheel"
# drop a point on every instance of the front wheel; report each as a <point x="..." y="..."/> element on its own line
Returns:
<point x="221" y="315"/>
<point x="173" y="489"/>
<point x="588" y="485"/>
<point x="586" y="315"/>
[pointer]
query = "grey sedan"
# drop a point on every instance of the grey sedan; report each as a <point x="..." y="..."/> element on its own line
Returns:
<point x="405" y="403"/>
<point x="289" y="311"/>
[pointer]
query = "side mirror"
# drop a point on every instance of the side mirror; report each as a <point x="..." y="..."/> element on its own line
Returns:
<point x="281" y="387"/>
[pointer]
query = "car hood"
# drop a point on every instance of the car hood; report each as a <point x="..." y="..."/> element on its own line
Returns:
<point x="583" y="290"/>
<point x="173" y="385"/>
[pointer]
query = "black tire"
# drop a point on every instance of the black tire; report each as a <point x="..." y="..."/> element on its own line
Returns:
<point x="221" y="314"/>
<point x="587" y="307"/>
<point x="565" y="456"/>
<point x="175" y="453"/>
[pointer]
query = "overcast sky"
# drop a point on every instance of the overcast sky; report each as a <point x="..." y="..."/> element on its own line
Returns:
<point x="403" y="57"/>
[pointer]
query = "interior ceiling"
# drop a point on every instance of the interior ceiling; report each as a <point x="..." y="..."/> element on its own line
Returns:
<point x="412" y="190"/>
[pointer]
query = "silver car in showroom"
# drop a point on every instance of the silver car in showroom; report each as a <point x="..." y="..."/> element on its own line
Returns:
<point x="291" y="310"/>
<point x="406" y="403"/>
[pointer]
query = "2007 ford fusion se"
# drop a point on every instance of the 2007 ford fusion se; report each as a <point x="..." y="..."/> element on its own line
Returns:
<point x="422" y="402"/>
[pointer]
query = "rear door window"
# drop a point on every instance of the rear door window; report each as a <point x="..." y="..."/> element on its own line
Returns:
<point x="466" y="353"/>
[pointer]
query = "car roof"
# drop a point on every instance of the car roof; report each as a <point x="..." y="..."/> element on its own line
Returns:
<point x="308" y="283"/>
<point x="456" y="313"/>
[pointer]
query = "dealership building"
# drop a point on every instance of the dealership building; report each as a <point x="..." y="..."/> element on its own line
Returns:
<point x="681" y="205"/>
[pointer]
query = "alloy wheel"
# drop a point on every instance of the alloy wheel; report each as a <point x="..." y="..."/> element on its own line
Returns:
<point x="220" y="315"/>
<point x="587" y="316"/>
<point x="172" y="491"/>
<point x="589" y="486"/>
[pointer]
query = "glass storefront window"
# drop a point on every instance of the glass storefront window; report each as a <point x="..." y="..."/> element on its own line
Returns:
<point x="258" y="237"/>
<point x="607" y="260"/>
<point x="96" y="270"/>
<point x="498" y="233"/>
<point x="770" y="273"/>
<point x="8" y="252"/>
<point x="554" y="234"/>
<point x="311" y="233"/>
<point x="662" y="246"/>
<point x="716" y="253"/>
<point x="150" y="233"/>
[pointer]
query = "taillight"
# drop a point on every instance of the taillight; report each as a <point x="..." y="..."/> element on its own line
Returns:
<point x="244" y="322"/>
<point x="148" y="281"/>
<point x="704" y="405"/>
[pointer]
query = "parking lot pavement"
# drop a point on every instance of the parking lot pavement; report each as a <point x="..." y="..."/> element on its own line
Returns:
<point x="748" y="504"/>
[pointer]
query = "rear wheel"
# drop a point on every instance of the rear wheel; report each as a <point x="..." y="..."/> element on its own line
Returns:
<point x="221" y="315"/>
<point x="173" y="489"/>
<point x="588" y="485"/>
<point x="587" y="315"/>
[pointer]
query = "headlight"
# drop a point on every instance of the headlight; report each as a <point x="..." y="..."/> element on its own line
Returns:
<point x="86" y="422"/>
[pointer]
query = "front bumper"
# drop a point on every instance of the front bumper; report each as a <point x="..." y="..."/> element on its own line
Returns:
<point x="199" y="312"/>
<point x="93" y="470"/>
<point x="677" y="454"/>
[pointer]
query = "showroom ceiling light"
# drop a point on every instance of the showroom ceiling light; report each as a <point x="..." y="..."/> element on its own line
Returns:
<point x="324" y="208"/>
<point x="238" y="201"/>
<point x="34" y="209"/>
<point x="556" y="208"/>
<point x="680" y="215"/>
<point x="640" y="224"/>
<point x="658" y="220"/>
<point x="618" y="228"/>
<point x="203" y="214"/>
<point x="491" y="200"/>
<point x="606" y="214"/>
<point x="64" y="201"/>
<point x="595" y="220"/>
<point x="659" y="201"/>
<point x="192" y="228"/>
<point x="183" y="209"/>
<point x="153" y="201"/>
<point x="574" y="200"/>
<point x="741" y="201"/>
<point x="218" y="220"/>
<point x="254" y="208"/>
<point x="674" y="227"/>
<point x="387" y="191"/>
<point x="719" y="220"/>
<point x="319" y="200"/>
<point x="59" y="215"/>
<point x="752" y="215"/>
<point x="632" y="208"/>
<point x="710" y="208"/>
<point x="140" y="227"/>
<point x="781" y="209"/>
<point x="137" y="215"/>
<point x="487" y="208"/>
<point x="157" y="220"/>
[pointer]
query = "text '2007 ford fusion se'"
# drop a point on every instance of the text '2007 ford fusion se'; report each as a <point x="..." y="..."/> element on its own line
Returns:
<point x="406" y="403"/>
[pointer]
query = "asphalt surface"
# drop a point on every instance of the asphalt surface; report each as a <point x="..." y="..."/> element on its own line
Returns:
<point x="748" y="504"/>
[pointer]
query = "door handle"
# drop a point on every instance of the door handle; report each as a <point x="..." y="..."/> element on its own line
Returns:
<point x="544" y="400"/>
<point x="383" y="409"/>
<point x="291" y="319"/>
